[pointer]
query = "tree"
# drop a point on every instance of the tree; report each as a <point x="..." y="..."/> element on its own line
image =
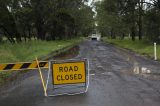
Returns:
<point x="136" y="17"/>
<point x="110" y="18"/>
<point x="8" y="23"/>
<point x="47" y="19"/>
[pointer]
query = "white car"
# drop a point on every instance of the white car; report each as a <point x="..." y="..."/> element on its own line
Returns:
<point x="96" y="37"/>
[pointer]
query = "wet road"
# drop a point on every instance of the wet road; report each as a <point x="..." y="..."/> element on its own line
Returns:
<point x="117" y="78"/>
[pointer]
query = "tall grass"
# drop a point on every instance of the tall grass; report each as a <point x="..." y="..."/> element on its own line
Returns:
<point x="28" y="51"/>
<point x="143" y="47"/>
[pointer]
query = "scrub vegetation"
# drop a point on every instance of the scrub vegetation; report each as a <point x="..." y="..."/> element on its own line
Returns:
<point x="143" y="47"/>
<point x="22" y="20"/>
<point x="25" y="52"/>
<point x="34" y="28"/>
<point x="134" y="18"/>
<point x="28" y="51"/>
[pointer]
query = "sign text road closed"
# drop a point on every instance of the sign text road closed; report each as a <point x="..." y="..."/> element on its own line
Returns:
<point x="69" y="73"/>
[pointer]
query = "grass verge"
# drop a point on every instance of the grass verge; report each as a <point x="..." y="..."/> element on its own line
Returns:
<point x="24" y="52"/>
<point x="142" y="47"/>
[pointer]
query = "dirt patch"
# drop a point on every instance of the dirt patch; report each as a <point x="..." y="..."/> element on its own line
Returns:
<point x="71" y="53"/>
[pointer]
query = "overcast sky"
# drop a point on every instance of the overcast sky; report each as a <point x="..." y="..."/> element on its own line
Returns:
<point x="90" y="1"/>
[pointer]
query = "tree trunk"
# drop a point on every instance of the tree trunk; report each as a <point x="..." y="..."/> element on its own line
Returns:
<point x="9" y="24"/>
<point x="133" y="33"/>
<point x="40" y="33"/>
<point x="66" y="32"/>
<point x="112" y="33"/>
<point x="29" y="32"/>
<point x="7" y="34"/>
<point x="140" y="33"/>
<point x="10" y="39"/>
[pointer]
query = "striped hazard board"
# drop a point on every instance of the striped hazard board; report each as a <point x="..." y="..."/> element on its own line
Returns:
<point x="22" y="66"/>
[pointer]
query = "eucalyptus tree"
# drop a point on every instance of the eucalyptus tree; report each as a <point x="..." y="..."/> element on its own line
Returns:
<point x="45" y="19"/>
<point x="110" y="18"/>
<point x="8" y="22"/>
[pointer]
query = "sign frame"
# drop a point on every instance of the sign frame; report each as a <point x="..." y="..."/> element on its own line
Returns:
<point x="86" y="83"/>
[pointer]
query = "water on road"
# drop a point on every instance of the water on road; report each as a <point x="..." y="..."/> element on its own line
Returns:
<point x="117" y="78"/>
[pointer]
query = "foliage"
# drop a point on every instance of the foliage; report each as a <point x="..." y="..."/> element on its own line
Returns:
<point x="143" y="47"/>
<point x="152" y="25"/>
<point x="28" y="51"/>
<point x="129" y="17"/>
<point x="45" y="19"/>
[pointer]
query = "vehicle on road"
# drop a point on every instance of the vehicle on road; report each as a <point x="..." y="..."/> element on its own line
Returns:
<point x="95" y="36"/>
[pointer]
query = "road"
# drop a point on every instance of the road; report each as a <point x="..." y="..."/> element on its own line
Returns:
<point x="117" y="78"/>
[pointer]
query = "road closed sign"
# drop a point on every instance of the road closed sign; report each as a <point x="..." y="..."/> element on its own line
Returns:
<point x="69" y="73"/>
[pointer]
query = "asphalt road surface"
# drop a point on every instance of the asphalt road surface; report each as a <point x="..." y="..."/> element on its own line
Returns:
<point x="117" y="78"/>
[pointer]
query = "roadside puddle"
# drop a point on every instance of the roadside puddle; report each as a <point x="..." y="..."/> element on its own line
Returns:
<point x="146" y="72"/>
<point x="143" y="72"/>
<point x="139" y="70"/>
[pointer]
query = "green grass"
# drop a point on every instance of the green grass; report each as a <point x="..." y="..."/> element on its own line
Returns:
<point x="24" y="52"/>
<point x="141" y="47"/>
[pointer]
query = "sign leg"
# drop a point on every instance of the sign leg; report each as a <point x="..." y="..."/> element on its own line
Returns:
<point x="42" y="79"/>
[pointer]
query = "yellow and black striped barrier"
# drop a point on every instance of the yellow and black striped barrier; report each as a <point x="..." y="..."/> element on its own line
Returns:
<point x="23" y="65"/>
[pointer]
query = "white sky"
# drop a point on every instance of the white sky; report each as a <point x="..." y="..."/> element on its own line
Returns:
<point x="90" y="1"/>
